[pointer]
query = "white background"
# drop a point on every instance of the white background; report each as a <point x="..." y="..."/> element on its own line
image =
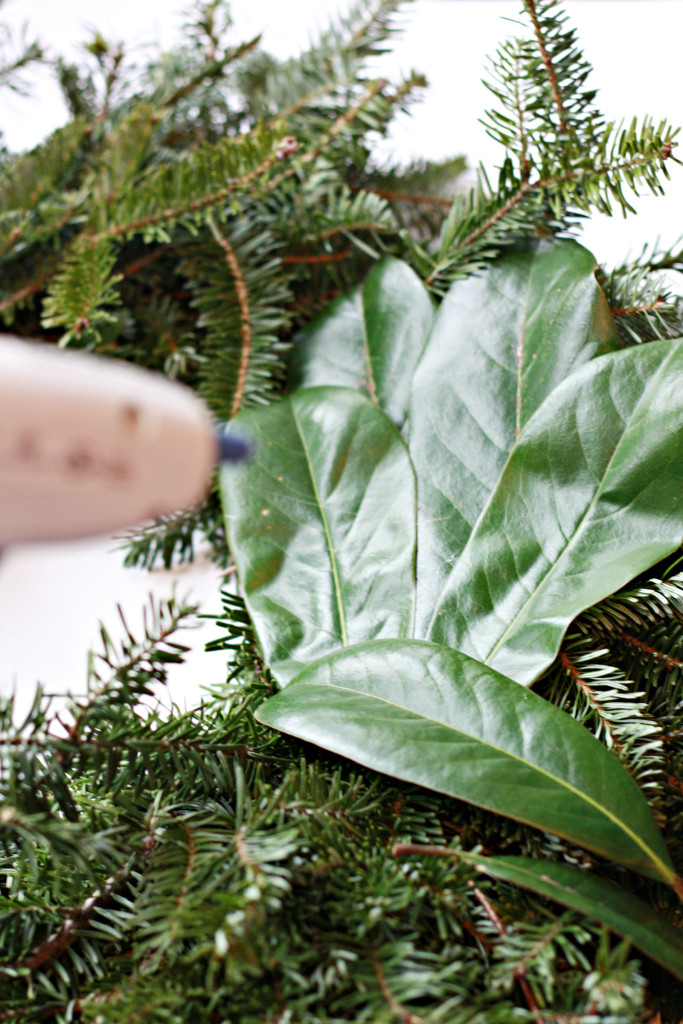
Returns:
<point x="52" y="597"/>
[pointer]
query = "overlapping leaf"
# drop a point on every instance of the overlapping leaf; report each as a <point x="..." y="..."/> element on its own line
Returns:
<point x="321" y="523"/>
<point x="501" y="341"/>
<point x="369" y="340"/>
<point x="591" y="495"/>
<point x="430" y="715"/>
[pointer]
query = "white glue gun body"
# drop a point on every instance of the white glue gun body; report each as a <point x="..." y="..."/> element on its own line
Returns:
<point x="90" y="445"/>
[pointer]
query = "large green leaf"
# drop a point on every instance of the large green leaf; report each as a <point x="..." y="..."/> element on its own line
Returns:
<point x="369" y="340"/>
<point x="596" y="897"/>
<point x="433" y="716"/>
<point x="501" y="342"/>
<point x="321" y="523"/>
<point x="592" y="495"/>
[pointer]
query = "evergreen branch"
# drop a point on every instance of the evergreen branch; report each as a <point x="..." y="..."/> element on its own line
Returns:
<point x="237" y="164"/>
<point x="11" y="67"/>
<point x="33" y="176"/>
<point x="245" y="318"/>
<point x="396" y="1009"/>
<point x="79" y="294"/>
<point x="134" y="665"/>
<point x="520" y="970"/>
<point x="214" y="68"/>
<point x="317" y="258"/>
<point x="606" y="700"/>
<point x="345" y="119"/>
<point x="172" y="540"/>
<point x="541" y="36"/>
<point x="241" y="300"/>
<point x="605" y="719"/>
<point x="58" y="942"/>
<point x="26" y="291"/>
<point x="479" y="226"/>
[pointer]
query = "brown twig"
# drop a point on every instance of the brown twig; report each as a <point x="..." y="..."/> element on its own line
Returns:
<point x="323" y="257"/>
<point x="245" y="317"/>
<point x="520" y="976"/>
<point x="408" y="849"/>
<point x="547" y="63"/>
<point x="396" y="1008"/>
<point x="55" y="944"/>
<point x="659" y="655"/>
<point x="634" y="310"/>
<point x="582" y="685"/>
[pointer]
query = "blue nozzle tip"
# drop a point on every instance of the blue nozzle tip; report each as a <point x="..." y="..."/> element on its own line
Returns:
<point x="232" y="448"/>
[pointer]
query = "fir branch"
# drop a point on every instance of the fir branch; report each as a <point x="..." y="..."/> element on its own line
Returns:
<point x="548" y="62"/>
<point x="206" y="178"/>
<point x="607" y="701"/>
<point x="11" y="66"/>
<point x="245" y="318"/>
<point x="58" y="942"/>
<point x="397" y="1010"/>
<point x="79" y="295"/>
<point x="173" y="540"/>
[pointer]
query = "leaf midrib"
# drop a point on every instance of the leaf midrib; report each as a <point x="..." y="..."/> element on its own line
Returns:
<point x="580" y="526"/>
<point x="666" y="873"/>
<point x="328" y="535"/>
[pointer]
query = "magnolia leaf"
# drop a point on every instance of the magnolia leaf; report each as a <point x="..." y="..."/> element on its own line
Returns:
<point x="591" y="495"/>
<point x="432" y="716"/>
<point x="501" y="341"/>
<point x="596" y="897"/>
<point x="369" y="340"/>
<point x="321" y="523"/>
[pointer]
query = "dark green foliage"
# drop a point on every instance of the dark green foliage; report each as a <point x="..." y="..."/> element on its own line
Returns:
<point x="220" y="871"/>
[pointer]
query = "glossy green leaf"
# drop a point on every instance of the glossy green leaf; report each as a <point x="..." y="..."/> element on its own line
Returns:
<point x="321" y="523"/>
<point x="591" y="495"/>
<point x="432" y="716"/>
<point x="501" y="341"/>
<point x="596" y="897"/>
<point x="369" y="340"/>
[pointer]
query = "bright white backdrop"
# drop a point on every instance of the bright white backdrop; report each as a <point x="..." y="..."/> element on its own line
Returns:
<point x="51" y="598"/>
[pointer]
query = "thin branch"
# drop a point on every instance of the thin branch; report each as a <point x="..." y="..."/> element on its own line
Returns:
<point x="323" y="257"/>
<point x="670" y="662"/>
<point x="527" y="187"/>
<point x="520" y="976"/>
<point x="173" y="213"/>
<point x="56" y="944"/>
<point x="396" y="1008"/>
<point x="245" y="316"/>
<point x="585" y="688"/>
<point x="547" y="63"/>
<point x="634" y="310"/>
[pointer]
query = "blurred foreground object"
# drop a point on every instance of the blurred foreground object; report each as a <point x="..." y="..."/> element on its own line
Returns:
<point x="89" y="445"/>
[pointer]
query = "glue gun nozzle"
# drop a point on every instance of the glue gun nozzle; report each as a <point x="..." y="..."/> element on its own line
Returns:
<point x="232" y="448"/>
